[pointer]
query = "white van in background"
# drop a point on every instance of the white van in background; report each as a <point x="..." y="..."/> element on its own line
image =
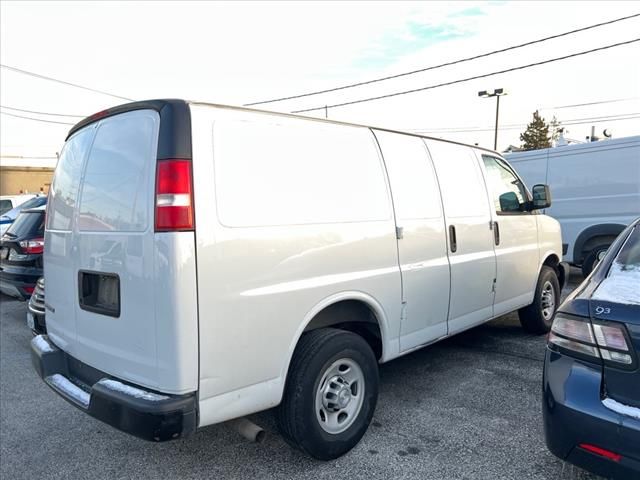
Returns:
<point x="205" y="262"/>
<point x="595" y="188"/>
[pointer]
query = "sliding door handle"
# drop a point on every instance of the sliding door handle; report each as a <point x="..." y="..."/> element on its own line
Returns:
<point x="496" y="233"/>
<point x="452" y="238"/>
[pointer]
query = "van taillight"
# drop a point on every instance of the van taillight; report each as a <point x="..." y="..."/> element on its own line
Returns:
<point x="174" y="196"/>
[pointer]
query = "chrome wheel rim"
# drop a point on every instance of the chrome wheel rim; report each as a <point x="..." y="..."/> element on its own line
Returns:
<point x="339" y="396"/>
<point x="548" y="300"/>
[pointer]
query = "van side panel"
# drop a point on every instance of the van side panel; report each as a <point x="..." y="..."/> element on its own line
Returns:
<point x="258" y="283"/>
<point x="592" y="184"/>
<point x="176" y="311"/>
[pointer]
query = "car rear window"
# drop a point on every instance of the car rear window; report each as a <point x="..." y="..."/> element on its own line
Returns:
<point x="621" y="284"/>
<point x="33" y="203"/>
<point x="629" y="256"/>
<point x="28" y="224"/>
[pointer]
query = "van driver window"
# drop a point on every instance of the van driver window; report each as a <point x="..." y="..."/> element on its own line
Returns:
<point x="508" y="193"/>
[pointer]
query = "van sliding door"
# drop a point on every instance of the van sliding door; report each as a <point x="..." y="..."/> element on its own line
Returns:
<point x="470" y="238"/>
<point x="422" y="246"/>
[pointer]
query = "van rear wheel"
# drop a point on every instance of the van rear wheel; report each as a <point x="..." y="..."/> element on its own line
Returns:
<point x="538" y="317"/>
<point x="330" y="395"/>
<point x="592" y="258"/>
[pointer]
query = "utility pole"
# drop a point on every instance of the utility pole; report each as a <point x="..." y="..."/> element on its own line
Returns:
<point x="498" y="92"/>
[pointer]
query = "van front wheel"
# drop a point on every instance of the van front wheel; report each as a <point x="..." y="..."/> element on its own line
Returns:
<point x="330" y="395"/>
<point x="538" y="317"/>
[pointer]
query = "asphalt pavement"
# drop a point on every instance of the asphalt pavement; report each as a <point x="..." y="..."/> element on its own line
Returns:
<point x="465" y="408"/>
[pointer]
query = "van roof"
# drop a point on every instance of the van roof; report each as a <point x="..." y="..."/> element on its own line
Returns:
<point x="575" y="149"/>
<point x="174" y="113"/>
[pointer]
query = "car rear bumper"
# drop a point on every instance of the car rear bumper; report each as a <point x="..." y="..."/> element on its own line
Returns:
<point x="37" y="308"/>
<point x="148" y="415"/>
<point x="18" y="285"/>
<point x="574" y="415"/>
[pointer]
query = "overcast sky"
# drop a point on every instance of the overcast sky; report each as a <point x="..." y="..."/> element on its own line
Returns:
<point x="236" y="53"/>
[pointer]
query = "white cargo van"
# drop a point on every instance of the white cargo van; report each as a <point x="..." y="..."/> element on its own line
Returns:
<point x="595" y="188"/>
<point x="205" y="262"/>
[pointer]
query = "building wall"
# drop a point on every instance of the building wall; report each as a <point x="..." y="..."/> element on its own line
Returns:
<point x="16" y="180"/>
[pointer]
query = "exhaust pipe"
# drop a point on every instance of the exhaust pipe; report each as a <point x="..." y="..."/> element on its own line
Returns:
<point x="248" y="430"/>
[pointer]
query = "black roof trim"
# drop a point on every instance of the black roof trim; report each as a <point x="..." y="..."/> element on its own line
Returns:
<point x="174" y="140"/>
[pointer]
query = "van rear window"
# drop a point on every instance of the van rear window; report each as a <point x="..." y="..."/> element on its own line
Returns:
<point x="116" y="189"/>
<point x="64" y="189"/>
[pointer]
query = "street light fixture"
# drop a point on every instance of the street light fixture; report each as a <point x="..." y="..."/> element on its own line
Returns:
<point x="498" y="92"/>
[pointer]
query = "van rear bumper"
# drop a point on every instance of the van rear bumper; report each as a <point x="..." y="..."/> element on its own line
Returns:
<point x="146" y="414"/>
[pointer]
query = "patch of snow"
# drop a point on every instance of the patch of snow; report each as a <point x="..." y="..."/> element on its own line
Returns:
<point x="621" y="408"/>
<point x="131" y="391"/>
<point x="73" y="391"/>
<point x="41" y="344"/>
<point x="621" y="286"/>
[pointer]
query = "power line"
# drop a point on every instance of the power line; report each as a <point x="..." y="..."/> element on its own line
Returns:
<point x="35" y="119"/>
<point x="600" y="117"/>
<point x="44" y="77"/>
<point x="43" y="113"/>
<point x="595" y="103"/>
<point x="454" y="62"/>
<point x="513" y="126"/>
<point x="379" y="97"/>
<point x="521" y="125"/>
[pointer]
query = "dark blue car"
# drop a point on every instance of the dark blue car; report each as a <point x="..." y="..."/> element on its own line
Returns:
<point x="591" y="382"/>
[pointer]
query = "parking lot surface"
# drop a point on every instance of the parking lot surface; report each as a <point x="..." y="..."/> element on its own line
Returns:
<point x="465" y="408"/>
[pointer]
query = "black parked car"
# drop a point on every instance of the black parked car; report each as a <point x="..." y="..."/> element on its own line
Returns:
<point x="591" y="397"/>
<point x="36" y="310"/>
<point x="21" y="250"/>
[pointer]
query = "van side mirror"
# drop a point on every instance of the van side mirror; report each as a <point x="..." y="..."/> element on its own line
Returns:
<point x="541" y="197"/>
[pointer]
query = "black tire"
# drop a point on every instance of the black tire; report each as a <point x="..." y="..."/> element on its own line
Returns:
<point x="316" y="353"/>
<point x="591" y="258"/>
<point x="538" y="317"/>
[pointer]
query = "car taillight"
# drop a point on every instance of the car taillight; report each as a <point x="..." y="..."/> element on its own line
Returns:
<point x="33" y="246"/>
<point x="608" y="342"/>
<point x="174" y="196"/>
<point x="29" y="290"/>
<point x="613" y="343"/>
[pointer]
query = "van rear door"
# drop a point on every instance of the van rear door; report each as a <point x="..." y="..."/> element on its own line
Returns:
<point x="112" y="294"/>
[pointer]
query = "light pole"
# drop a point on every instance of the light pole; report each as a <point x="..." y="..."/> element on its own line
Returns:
<point x="498" y="92"/>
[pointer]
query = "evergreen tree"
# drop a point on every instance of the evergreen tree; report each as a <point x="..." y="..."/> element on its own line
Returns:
<point x="536" y="135"/>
